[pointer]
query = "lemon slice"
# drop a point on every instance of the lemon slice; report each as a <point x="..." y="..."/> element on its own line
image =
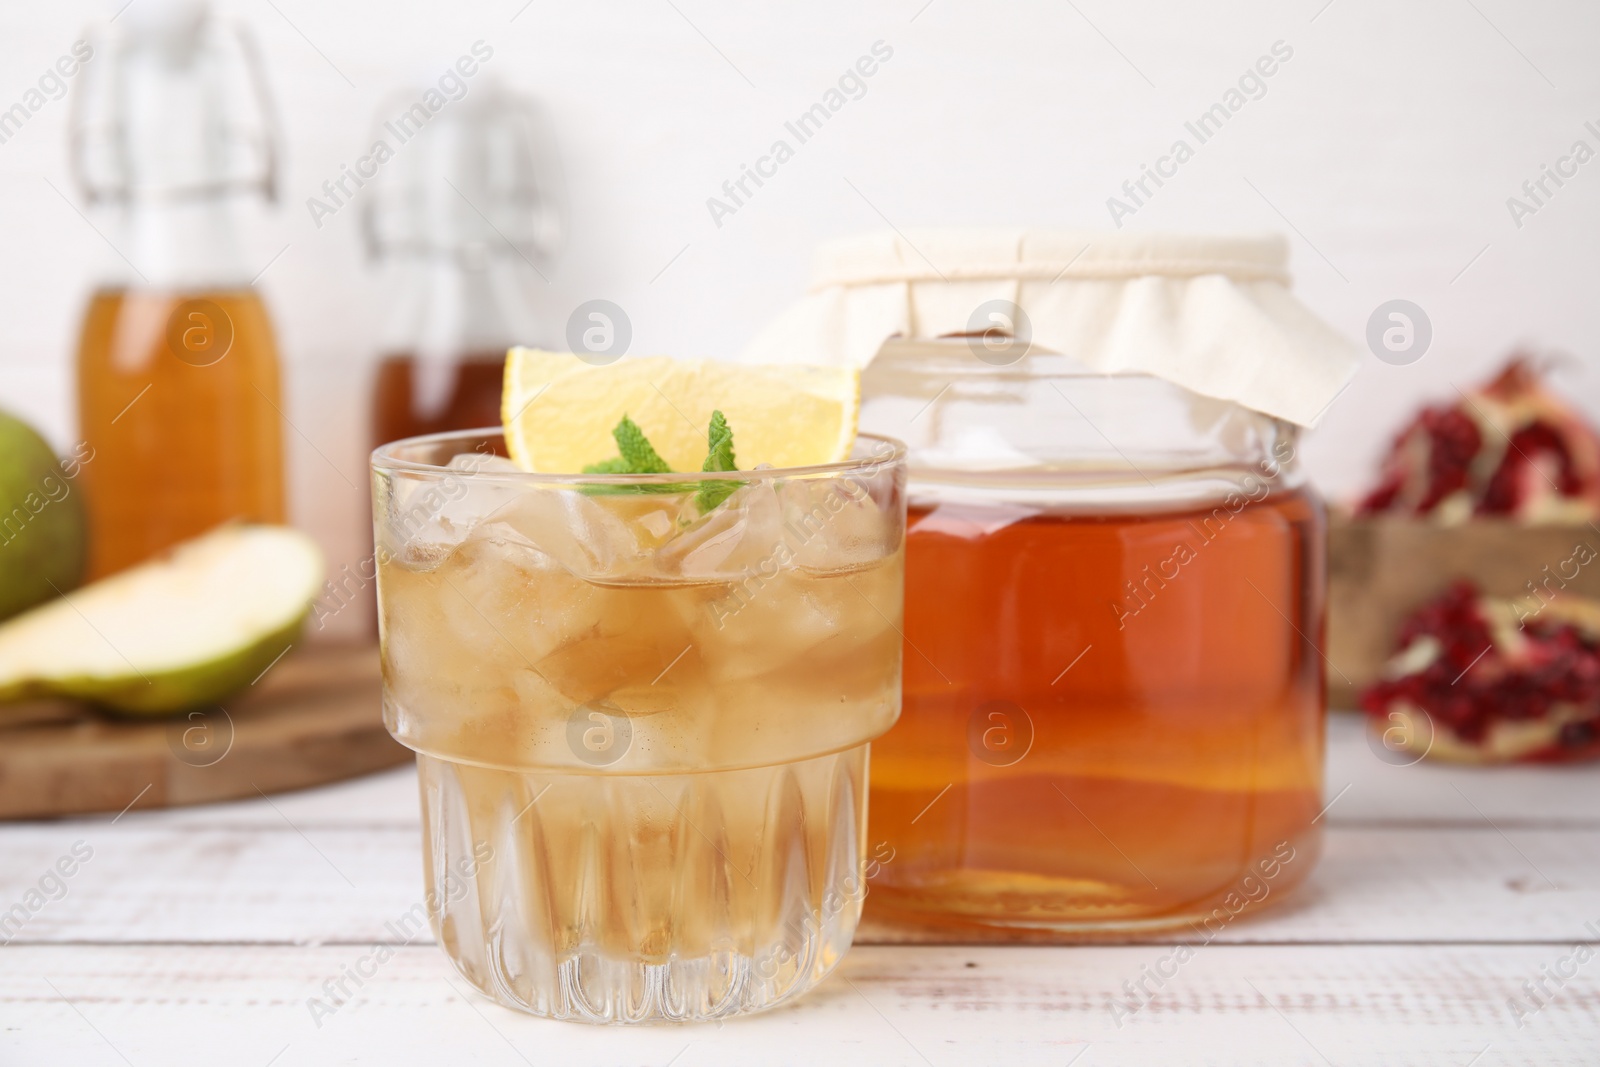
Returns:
<point x="558" y="411"/>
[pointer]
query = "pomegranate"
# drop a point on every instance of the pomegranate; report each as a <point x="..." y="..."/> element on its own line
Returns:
<point x="1476" y="679"/>
<point x="1511" y="448"/>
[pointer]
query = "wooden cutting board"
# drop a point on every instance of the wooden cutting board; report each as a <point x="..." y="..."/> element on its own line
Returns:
<point x="315" y="717"/>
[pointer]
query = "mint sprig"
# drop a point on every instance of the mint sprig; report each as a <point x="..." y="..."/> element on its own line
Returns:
<point x="638" y="456"/>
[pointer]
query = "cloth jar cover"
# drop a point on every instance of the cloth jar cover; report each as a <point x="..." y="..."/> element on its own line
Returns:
<point x="1212" y="314"/>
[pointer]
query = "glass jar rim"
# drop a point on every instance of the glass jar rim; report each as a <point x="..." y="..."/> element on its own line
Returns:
<point x="885" y="451"/>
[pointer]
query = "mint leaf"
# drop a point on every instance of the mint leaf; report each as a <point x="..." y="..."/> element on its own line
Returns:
<point x="719" y="457"/>
<point x="638" y="457"/>
<point x="719" y="443"/>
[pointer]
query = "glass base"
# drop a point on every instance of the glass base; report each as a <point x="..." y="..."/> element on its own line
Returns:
<point x="645" y="898"/>
<point x="592" y="988"/>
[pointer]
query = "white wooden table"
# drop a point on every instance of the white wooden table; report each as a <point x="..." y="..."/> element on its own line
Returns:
<point x="197" y="936"/>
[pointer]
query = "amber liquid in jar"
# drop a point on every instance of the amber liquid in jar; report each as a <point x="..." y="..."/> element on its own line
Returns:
<point x="471" y="399"/>
<point x="1110" y="721"/>
<point x="183" y="438"/>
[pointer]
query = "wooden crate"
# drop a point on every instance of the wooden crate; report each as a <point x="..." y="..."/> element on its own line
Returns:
<point x="1380" y="570"/>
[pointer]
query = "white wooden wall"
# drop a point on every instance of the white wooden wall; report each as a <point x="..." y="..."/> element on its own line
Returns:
<point x="1386" y="148"/>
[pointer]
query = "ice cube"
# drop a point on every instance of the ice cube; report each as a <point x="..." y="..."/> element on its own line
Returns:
<point x="498" y="598"/>
<point x="591" y="536"/>
<point x="461" y="641"/>
<point x="754" y="625"/>
<point x="639" y="638"/>
<point x="834" y="524"/>
<point x="741" y="536"/>
<point x="421" y="516"/>
<point x="594" y="665"/>
<point x="658" y="523"/>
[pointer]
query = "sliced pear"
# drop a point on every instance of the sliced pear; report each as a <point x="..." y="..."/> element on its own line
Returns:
<point x="185" y="629"/>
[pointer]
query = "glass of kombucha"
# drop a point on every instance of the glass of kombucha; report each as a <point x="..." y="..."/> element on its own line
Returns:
<point x="642" y="731"/>
<point x="1113" y="695"/>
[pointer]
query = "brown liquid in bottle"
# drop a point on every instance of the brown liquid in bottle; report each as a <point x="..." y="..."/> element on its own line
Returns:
<point x="472" y="399"/>
<point x="1101" y="730"/>
<point x="178" y="396"/>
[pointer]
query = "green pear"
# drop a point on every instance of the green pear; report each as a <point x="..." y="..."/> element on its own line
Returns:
<point x="187" y="628"/>
<point x="43" y="532"/>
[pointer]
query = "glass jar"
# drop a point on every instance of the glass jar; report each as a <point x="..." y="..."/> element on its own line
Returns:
<point x="1113" y="692"/>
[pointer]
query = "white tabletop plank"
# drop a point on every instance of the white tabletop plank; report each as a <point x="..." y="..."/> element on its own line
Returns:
<point x="314" y="884"/>
<point x="1395" y="1005"/>
<point x="197" y="935"/>
<point x="388" y="798"/>
<point x="1385" y="787"/>
<point x="1368" y="790"/>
